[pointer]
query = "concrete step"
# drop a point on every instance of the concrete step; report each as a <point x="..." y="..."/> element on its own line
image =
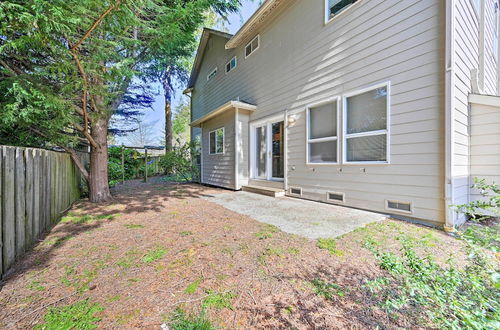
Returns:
<point x="268" y="191"/>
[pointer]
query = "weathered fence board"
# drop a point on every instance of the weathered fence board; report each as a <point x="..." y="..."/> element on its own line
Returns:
<point x="36" y="187"/>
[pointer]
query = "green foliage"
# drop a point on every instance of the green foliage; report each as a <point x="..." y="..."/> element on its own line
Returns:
<point x="485" y="236"/>
<point x="330" y="245"/>
<point x="192" y="287"/>
<point x="180" y="123"/>
<point x="133" y="226"/>
<point x="80" y="315"/>
<point x="450" y="297"/>
<point x="267" y="231"/>
<point x="182" y="321"/>
<point x="327" y="290"/>
<point x="133" y="163"/>
<point x="218" y="300"/>
<point x="180" y="162"/>
<point x="86" y="218"/>
<point x="485" y="208"/>
<point x="154" y="255"/>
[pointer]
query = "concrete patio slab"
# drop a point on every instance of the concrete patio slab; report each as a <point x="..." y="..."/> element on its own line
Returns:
<point x="297" y="216"/>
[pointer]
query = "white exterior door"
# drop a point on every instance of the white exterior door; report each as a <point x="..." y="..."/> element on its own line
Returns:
<point x="267" y="150"/>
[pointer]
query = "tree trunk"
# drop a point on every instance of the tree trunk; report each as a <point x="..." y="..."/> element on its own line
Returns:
<point x="168" y="125"/>
<point x="98" y="183"/>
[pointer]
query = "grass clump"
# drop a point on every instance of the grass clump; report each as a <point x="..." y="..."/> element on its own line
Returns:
<point x="267" y="231"/>
<point x="133" y="226"/>
<point x="86" y="218"/>
<point x="218" y="300"/>
<point x="327" y="290"/>
<point x="448" y="297"/>
<point x="180" y="320"/>
<point x="192" y="287"/>
<point x="154" y="255"/>
<point x="330" y="245"/>
<point x="80" y="315"/>
<point x="185" y="233"/>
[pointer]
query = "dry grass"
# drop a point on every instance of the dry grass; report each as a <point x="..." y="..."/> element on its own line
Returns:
<point x="159" y="247"/>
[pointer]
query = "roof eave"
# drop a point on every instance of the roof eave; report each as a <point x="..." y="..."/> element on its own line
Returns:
<point x="223" y="108"/>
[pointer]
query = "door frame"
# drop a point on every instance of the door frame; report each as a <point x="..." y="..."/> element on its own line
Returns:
<point x="267" y="123"/>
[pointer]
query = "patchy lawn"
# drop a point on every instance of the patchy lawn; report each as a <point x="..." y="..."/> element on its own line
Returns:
<point x="161" y="254"/>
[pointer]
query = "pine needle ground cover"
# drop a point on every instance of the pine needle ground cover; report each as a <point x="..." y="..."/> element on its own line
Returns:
<point x="162" y="254"/>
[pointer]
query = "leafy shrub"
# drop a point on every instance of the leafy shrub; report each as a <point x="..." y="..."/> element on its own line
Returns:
<point x="450" y="297"/>
<point x="179" y="162"/>
<point x="487" y="207"/>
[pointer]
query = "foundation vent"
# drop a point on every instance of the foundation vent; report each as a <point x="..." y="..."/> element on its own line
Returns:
<point x="296" y="191"/>
<point x="335" y="197"/>
<point x="405" y="207"/>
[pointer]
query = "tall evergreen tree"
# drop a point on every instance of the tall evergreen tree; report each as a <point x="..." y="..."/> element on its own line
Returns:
<point x="66" y="67"/>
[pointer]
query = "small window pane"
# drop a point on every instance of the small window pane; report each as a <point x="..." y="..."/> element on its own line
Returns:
<point x="212" y="142"/>
<point x="367" y="148"/>
<point x="323" y="121"/>
<point x="255" y="44"/>
<point x="323" y="152"/>
<point x="261" y="150"/>
<point x="248" y="50"/>
<point x="220" y="141"/>
<point x="336" y="6"/>
<point x="367" y="112"/>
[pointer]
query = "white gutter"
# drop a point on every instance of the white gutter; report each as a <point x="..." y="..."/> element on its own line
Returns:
<point x="449" y="115"/>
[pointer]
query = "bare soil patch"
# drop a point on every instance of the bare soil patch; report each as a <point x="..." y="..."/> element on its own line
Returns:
<point x="160" y="246"/>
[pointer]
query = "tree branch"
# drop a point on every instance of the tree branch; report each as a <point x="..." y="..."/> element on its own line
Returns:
<point x="96" y="24"/>
<point x="87" y="135"/>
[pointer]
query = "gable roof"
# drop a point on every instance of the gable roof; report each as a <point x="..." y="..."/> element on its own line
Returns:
<point x="205" y="36"/>
<point x="261" y="16"/>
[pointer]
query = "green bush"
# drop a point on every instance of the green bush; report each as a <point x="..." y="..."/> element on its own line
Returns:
<point x="179" y="163"/>
<point x="486" y="208"/>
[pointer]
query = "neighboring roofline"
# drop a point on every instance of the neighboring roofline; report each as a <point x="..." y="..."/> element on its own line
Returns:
<point x="223" y="108"/>
<point x="490" y="100"/>
<point x="253" y="22"/>
<point x="205" y="35"/>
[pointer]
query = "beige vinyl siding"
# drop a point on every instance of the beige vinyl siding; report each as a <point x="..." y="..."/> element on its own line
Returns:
<point x="218" y="169"/>
<point x="302" y="61"/>
<point x="467" y="58"/>
<point x="485" y="144"/>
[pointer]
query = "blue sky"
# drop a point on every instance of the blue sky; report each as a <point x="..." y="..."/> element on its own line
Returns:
<point x="156" y="116"/>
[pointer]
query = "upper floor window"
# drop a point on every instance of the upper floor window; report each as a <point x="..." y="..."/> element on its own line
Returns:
<point x="477" y="5"/>
<point x="216" y="141"/>
<point x="252" y="46"/>
<point x="334" y="7"/>
<point x="212" y="74"/>
<point x="231" y="64"/>
<point x="495" y="32"/>
<point x="366" y="126"/>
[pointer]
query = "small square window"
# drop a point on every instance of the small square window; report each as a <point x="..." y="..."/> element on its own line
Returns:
<point x="212" y="74"/>
<point x="252" y="46"/>
<point x="334" y="7"/>
<point x="216" y="141"/>
<point x="322" y="133"/>
<point x="231" y="64"/>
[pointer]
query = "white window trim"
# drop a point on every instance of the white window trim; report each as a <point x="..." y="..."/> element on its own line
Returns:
<point x="325" y="139"/>
<point x="253" y="50"/>
<point x="477" y="8"/>
<point x="223" y="142"/>
<point x="335" y="200"/>
<point x="386" y="131"/>
<point x="235" y="58"/>
<point x="326" y="10"/>
<point x="397" y="210"/>
<point x="210" y="73"/>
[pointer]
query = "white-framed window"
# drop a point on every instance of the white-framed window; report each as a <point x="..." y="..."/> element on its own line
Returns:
<point x="477" y="5"/>
<point x="335" y="7"/>
<point x="322" y="132"/>
<point x="252" y="46"/>
<point x="366" y="125"/>
<point x="233" y="63"/>
<point x="216" y="141"/>
<point x="495" y="31"/>
<point x="212" y="74"/>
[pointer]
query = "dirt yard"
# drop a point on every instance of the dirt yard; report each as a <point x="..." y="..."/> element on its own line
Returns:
<point x="160" y="248"/>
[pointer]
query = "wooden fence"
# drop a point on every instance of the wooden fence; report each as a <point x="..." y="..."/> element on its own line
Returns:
<point x="36" y="187"/>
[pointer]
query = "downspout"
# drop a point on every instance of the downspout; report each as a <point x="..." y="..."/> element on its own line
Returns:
<point x="449" y="114"/>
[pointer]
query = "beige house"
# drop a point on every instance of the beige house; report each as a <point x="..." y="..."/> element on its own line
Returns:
<point x="384" y="105"/>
